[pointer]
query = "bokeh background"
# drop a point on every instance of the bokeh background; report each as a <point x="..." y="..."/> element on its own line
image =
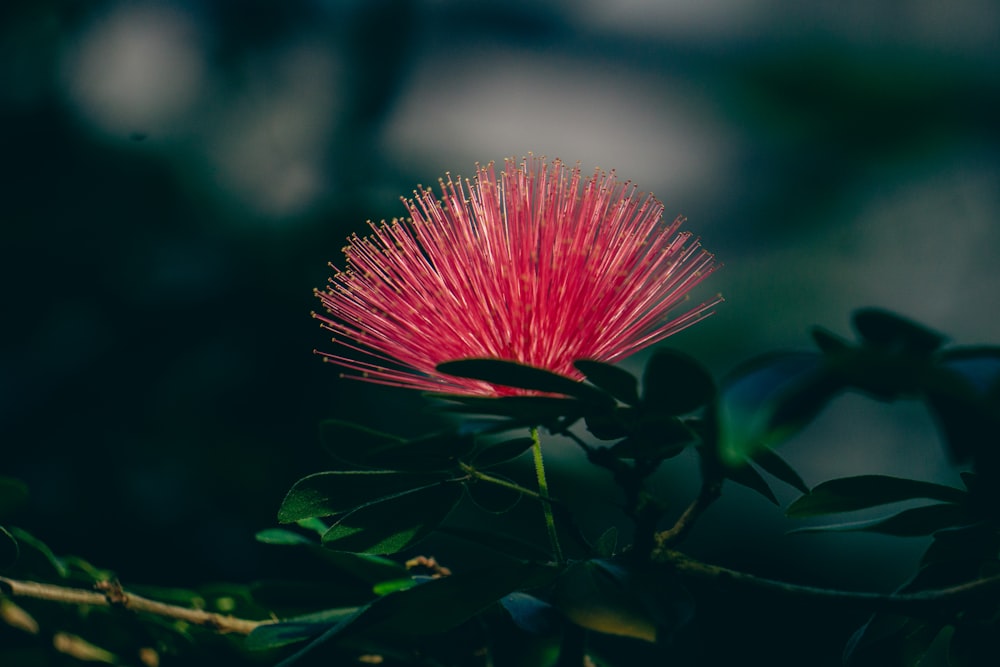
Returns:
<point x="177" y="174"/>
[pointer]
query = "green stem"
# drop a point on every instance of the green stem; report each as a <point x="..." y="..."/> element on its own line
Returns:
<point x="486" y="477"/>
<point x="543" y="489"/>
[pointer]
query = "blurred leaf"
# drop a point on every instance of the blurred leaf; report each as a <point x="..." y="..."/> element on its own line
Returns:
<point x="887" y="330"/>
<point x="392" y="524"/>
<point x="854" y="493"/>
<point x="8" y="548"/>
<point x="773" y="464"/>
<point x="299" y="628"/>
<point x="829" y="342"/>
<point x="675" y="384"/>
<point x="607" y="543"/>
<point x="616" y="381"/>
<point x="531" y="614"/>
<point x="652" y="436"/>
<point x="502" y="452"/>
<point x="974" y="644"/>
<point x="965" y="401"/>
<point x="363" y="447"/>
<point x="326" y="493"/>
<point x="769" y="400"/>
<point x="610" y="424"/>
<point x="890" y="640"/>
<point x="35" y="557"/>
<point x="314" y="524"/>
<point x="908" y="523"/>
<point x="512" y="374"/>
<point x="13" y="493"/>
<point x="603" y="596"/>
<point x="395" y="585"/>
<point x="747" y="476"/>
<point x="282" y="536"/>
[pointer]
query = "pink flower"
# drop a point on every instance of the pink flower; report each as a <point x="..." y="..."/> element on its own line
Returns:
<point x="542" y="266"/>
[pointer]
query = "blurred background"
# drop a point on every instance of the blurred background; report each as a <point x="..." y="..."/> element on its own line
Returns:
<point x="177" y="174"/>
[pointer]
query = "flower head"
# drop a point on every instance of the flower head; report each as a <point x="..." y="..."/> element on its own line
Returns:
<point x="540" y="266"/>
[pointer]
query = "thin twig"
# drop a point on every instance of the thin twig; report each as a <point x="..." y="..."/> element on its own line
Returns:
<point x="927" y="603"/>
<point x="110" y="594"/>
<point x="710" y="491"/>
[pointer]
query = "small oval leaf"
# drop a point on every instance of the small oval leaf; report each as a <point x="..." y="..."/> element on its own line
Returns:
<point x="327" y="493"/>
<point x="914" y="522"/>
<point x="616" y="381"/>
<point x="675" y="384"/>
<point x="855" y="493"/>
<point x="890" y="331"/>
<point x="395" y="523"/>
<point x="521" y="376"/>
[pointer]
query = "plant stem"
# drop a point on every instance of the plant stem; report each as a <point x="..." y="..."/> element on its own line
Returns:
<point x="543" y="489"/>
<point x="514" y="486"/>
<point x="926" y="603"/>
<point x="709" y="493"/>
<point x="110" y="594"/>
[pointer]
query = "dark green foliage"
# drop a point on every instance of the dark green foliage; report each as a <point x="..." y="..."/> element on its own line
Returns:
<point x="513" y="374"/>
<point x="854" y="493"/>
<point x="392" y="524"/>
<point x="362" y="447"/>
<point x="888" y="331"/>
<point x="328" y="493"/>
<point x="618" y="382"/>
<point x="675" y="384"/>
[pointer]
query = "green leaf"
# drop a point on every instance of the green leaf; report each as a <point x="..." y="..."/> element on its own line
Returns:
<point x="654" y="437"/>
<point x="8" y="548"/>
<point x="13" y="493"/>
<point x="769" y="460"/>
<point x="512" y="374"/>
<point x="493" y="498"/>
<point x="299" y="628"/>
<point x="363" y="447"/>
<point x="393" y="524"/>
<point x="854" y="493"/>
<point x="439" y="605"/>
<point x="616" y="381"/>
<point x="829" y="342"/>
<point x="889" y="331"/>
<point x="913" y="522"/>
<point x="371" y="569"/>
<point x="502" y="452"/>
<point x="498" y="542"/>
<point x="35" y="557"/>
<point x="747" y="476"/>
<point x="326" y="493"/>
<point x="396" y="585"/>
<point x="675" y="384"/>
<point x="607" y="543"/>
<point x="526" y="410"/>
<point x="603" y="596"/>
<point x="891" y="640"/>
<point x="531" y="614"/>
<point x="974" y="643"/>
<point x="282" y="537"/>
<point x="770" y="399"/>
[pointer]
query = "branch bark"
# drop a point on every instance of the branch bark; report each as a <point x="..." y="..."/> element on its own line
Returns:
<point x="111" y="594"/>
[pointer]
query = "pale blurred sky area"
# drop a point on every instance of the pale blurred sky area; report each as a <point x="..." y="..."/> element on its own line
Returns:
<point x="834" y="154"/>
